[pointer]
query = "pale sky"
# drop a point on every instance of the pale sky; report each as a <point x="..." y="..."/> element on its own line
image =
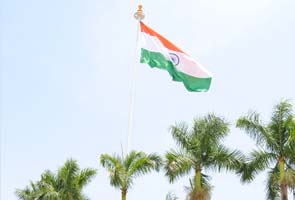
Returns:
<point x="66" y="83"/>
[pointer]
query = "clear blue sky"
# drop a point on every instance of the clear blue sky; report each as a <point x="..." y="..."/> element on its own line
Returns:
<point x="66" y="83"/>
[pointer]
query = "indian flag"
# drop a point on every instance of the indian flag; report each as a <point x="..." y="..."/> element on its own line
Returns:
<point x="157" y="51"/>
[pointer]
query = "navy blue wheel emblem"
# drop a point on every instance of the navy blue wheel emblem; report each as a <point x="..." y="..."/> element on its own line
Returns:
<point x="174" y="58"/>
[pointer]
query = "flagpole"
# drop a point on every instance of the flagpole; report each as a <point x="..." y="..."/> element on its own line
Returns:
<point x="139" y="15"/>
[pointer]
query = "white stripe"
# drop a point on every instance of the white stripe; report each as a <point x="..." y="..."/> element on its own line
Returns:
<point x="186" y="64"/>
<point x="152" y="43"/>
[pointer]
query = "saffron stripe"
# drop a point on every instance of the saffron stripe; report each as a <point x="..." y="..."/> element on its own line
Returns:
<point x="165" y="42"/>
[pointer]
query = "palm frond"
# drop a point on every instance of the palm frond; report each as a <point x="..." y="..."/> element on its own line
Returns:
<point x="290" y="126"/>
<point x="25" y="194"/>
<point x="272" y="185"/>
<point x="212" y="126"/>
<point x="208" y="134"/>
<point x="171" y="196"/>
<point x="51" y="195"/>
<point x="110" y="162"/>
<point x="85" y="176"/>
<point x="63" y="185"/>
<point x="177" y="164"/>
<point x="122" y="171"/>
<point x="49" y="178"/>
<point x="130" y="158"/>
<point x="282" y="111"/>
<point x="113" y="164"/>
<point x="144" y="164"/>
<point x="254" y="127"/>
<point x="67" y="173"/>
<point x="281" y="118"/>
<point x="259" y="160"/>
<point x="180" y="134"/>
<point x="224" y="158"/>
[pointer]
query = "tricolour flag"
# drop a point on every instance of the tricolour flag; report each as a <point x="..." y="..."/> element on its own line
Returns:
<point x="158" y="52"/>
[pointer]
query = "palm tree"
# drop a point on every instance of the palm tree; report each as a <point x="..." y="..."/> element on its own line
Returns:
<point x="66" y="184"/>
<point x="31" y="192"/>
<point x="276" y="144"/>
<point x="200" y="149"/>
<point x="123" y="170"/>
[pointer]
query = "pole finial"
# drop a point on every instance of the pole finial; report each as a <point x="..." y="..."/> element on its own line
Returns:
<point x="139" y="15"/>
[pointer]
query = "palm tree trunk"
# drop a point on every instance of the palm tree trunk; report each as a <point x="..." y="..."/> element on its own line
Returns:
<point x="284" y="192"/>
<point x="283" y="186"/>
<point x="198" y="179"/>
<point x="124" y="193"/>
<point x="197" y="186"/>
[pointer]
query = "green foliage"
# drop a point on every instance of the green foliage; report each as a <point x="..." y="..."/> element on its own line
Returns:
<point x="200" y="148"/>
<point x="171" y="196"/>
<point x="122" y="171"/>
<point x="66" y="184"/>
<point x="276" y="142"/>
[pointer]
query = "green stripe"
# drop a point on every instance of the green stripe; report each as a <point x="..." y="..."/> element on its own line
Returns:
<point x="158" y="60"/>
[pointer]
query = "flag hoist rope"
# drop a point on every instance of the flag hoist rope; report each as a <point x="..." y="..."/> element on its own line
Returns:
<point x="139" y="15"/>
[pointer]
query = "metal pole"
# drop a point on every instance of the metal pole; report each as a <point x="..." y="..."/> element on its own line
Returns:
<point x="139" y="15"/>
